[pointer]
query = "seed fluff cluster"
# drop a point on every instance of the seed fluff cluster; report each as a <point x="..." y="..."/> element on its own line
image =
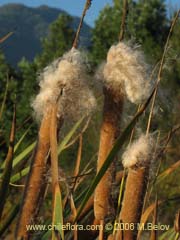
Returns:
<point x="139" y="153"/>
<point x="126" y="72"/>
<point x="65" y="81"/>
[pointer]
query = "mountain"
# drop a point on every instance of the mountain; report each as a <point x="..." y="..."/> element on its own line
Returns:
<point x="30" y="26"/>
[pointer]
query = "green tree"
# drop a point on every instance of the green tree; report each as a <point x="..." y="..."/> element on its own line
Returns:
<point x="53" y="46"/>
<point x="58" y="41"/>
<point x="28" y="88"/>
<point x="106" y="31"/>
<point x="7" y="74"/>
<point x="146" y="24"/>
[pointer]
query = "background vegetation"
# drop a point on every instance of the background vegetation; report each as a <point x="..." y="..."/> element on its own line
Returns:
<point x="147" y="25"/>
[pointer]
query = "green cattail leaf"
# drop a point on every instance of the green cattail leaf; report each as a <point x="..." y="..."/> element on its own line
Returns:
<point x="121" y="190"/>
<point x="19" y="175"/>
<point x="146" y="214"/>
<point x="168" y="171"/>
<point x="69" y="136"/>
<point x="57" y="213"/>
<point x="7" y="222"/>
<point x="177" y="236"/>
<point x="29" y="149"/>
<point x="119" y="199"/>
<point x="57" y="209"/>
<point x="22" y="155"/>
<point x="173" y="236"/>
<point x="46" y="236"/>
<point x="155" y="216"/>
<point x="170" y="235"/>
<point x="115" y="149"/>
<point x="21" y="139"/>
<point x="118" y="144"/>
<point x="67" y="211"/>
<point x="4" y="183"/>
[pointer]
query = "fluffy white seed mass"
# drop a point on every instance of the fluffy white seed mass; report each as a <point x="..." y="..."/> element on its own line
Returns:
<point x="126" y="72"/>
<point x="65" y="80"/>
<point x="139" y="153"/>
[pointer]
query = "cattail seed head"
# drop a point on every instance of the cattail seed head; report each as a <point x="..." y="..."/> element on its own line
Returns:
<point x="139" y="153"/>
<point x="65" y="81"/>
<point x="127" y="73"/>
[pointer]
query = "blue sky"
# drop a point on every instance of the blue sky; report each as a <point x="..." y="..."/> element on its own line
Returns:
<point x="74" y="7"/>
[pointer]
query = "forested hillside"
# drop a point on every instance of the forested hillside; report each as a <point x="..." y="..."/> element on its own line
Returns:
<point x="30" y="26"/>
<point x="106" y="112"/>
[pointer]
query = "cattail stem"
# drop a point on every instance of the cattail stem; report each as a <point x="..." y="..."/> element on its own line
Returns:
<point x="35" y="179"/>
<point x="89" y="205"/>
<point x="101" y="230"/>
<point x="109" y="131"/>
<point x="123" y="21"/>
<point x="174" y="21"/>
<point x="111" y="237"/>
<point x="53" y="146"/>
<point x="136" y="184"/>
<point x="54" y="165"/>
<point x="78" y="162"/>
<point x="154" y="235"/>
<point x="8" y="165"/>
<point x="86" y="7"/>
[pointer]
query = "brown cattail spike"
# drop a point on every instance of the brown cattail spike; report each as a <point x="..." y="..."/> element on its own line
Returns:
<point x="109" y="131"/>
<point x="133" y="200"/>
<point x="69" y="77"/>
<point x="137" y="158"/>
<point x="35" y="179"/>
<point x="62" y="83"/>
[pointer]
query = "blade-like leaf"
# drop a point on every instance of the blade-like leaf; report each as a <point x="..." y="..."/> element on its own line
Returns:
<point x="57" y="213"/>
<point x="177" y="236"/>
<point x="168" y="171"/>
<point x="8" y="165"/>
<point x="118" y="144"/>
<point x="69" y="136"/>
<point x="22" y="155"/>
<point x="19" y="175"/>
<point x="119" y="199"/>
<point x="57" y="200"/>
<point x="28" y="150"/>
<point x="153" y="231"/>
<point x="6" y="222"/>
<point x="21" y="139"/>
<point x="74" y="212"/>
<point x="146" y="215"/>
<point x="170" y="235"/>
<point x="46" y="236"/>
